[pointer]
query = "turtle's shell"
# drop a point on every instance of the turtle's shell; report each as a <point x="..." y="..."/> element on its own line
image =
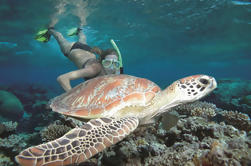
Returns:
<point x="105" y="96"/>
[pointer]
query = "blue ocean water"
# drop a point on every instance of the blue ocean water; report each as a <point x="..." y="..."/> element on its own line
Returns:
<point x="159" y="40"/>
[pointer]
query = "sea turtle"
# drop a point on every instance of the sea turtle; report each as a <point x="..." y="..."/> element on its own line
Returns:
<point x="117" y="104"/>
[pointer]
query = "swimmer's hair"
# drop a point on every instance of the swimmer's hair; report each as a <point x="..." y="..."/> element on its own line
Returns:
<point x="103" y="53"/>
<point x="96" y="50"/>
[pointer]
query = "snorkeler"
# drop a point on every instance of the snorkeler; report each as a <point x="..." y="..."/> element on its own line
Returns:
<point x="82" y="55"/>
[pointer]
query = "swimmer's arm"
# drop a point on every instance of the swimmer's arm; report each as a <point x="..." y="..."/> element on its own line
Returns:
<point x="90" y="71"/>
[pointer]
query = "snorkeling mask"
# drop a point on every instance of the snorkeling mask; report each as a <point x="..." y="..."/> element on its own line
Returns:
<point x="111" y="62"/>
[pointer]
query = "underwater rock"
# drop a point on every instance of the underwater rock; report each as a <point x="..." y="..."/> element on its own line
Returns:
<point x="10" y="106"/>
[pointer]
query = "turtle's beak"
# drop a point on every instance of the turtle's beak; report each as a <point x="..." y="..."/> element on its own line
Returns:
<point x="214" y="83"/>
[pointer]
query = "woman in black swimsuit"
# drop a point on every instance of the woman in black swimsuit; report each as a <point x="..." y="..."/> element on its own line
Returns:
<point x="84" y="58"/>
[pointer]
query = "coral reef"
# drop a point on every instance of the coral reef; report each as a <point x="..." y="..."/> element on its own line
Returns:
<point x="5" y="161"/>
<point x="10" y="106"/>
<point x="15" y="142"/>
<point x="225" y="153"/>
<point x="14" y="136"/>
<point x="187" y="137"/>
<point x="54" y="131"/>
<point x="7" y="127"/>
<point x="10" y="126"/>
<point x="11" y="143"/>
<point x="198" y="108"/>
<point x="237" y="119"/>
<point x="194" y="141"/>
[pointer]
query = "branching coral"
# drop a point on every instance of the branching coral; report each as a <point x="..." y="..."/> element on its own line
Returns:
<point x="53" y="132"/>
<point x="198" y="108"/>
<point x="10" y="126"/>
<point x="14" y="142"/>
<point x="5" y="161"/>
<point x="237" y="119"/>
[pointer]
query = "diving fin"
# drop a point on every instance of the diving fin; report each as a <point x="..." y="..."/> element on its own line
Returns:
<point x="42" y="36"/>
<point x="73" y="31"/>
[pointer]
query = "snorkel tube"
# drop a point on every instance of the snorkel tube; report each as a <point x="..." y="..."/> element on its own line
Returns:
<point x="119" y="54"/>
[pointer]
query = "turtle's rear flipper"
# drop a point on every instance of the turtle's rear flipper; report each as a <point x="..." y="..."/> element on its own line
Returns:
<point x="79" y="144"/>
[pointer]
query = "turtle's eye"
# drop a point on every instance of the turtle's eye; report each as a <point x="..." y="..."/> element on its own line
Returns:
<point x="204" y="81"/>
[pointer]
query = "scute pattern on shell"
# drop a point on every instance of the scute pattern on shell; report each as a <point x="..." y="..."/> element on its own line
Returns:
<point x="103" y="94"/>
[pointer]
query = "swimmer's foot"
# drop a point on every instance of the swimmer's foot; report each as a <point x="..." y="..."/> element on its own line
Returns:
<point x="43" y="35"/>
<point x="74" y="31"/>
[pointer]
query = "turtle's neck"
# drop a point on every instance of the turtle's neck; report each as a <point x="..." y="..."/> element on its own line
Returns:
<point x="167" y="100"/>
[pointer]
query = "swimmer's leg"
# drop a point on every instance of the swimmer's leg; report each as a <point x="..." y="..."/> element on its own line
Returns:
<point x="81" y="36"/>
<point x="65" y="45"/>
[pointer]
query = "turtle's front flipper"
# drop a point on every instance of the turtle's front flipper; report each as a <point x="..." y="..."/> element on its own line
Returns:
<point x="79" y="144"/>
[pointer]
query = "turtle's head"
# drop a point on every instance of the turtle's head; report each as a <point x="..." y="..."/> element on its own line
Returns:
<point x="192" y="88"/>
<point x="187" y="90"/>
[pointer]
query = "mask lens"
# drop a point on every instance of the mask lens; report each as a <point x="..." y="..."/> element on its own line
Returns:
<point x="116" y="65"/>
<point x="106" y="63"/>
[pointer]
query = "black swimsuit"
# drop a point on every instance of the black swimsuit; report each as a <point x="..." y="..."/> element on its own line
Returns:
<point x="78" y="45"/>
